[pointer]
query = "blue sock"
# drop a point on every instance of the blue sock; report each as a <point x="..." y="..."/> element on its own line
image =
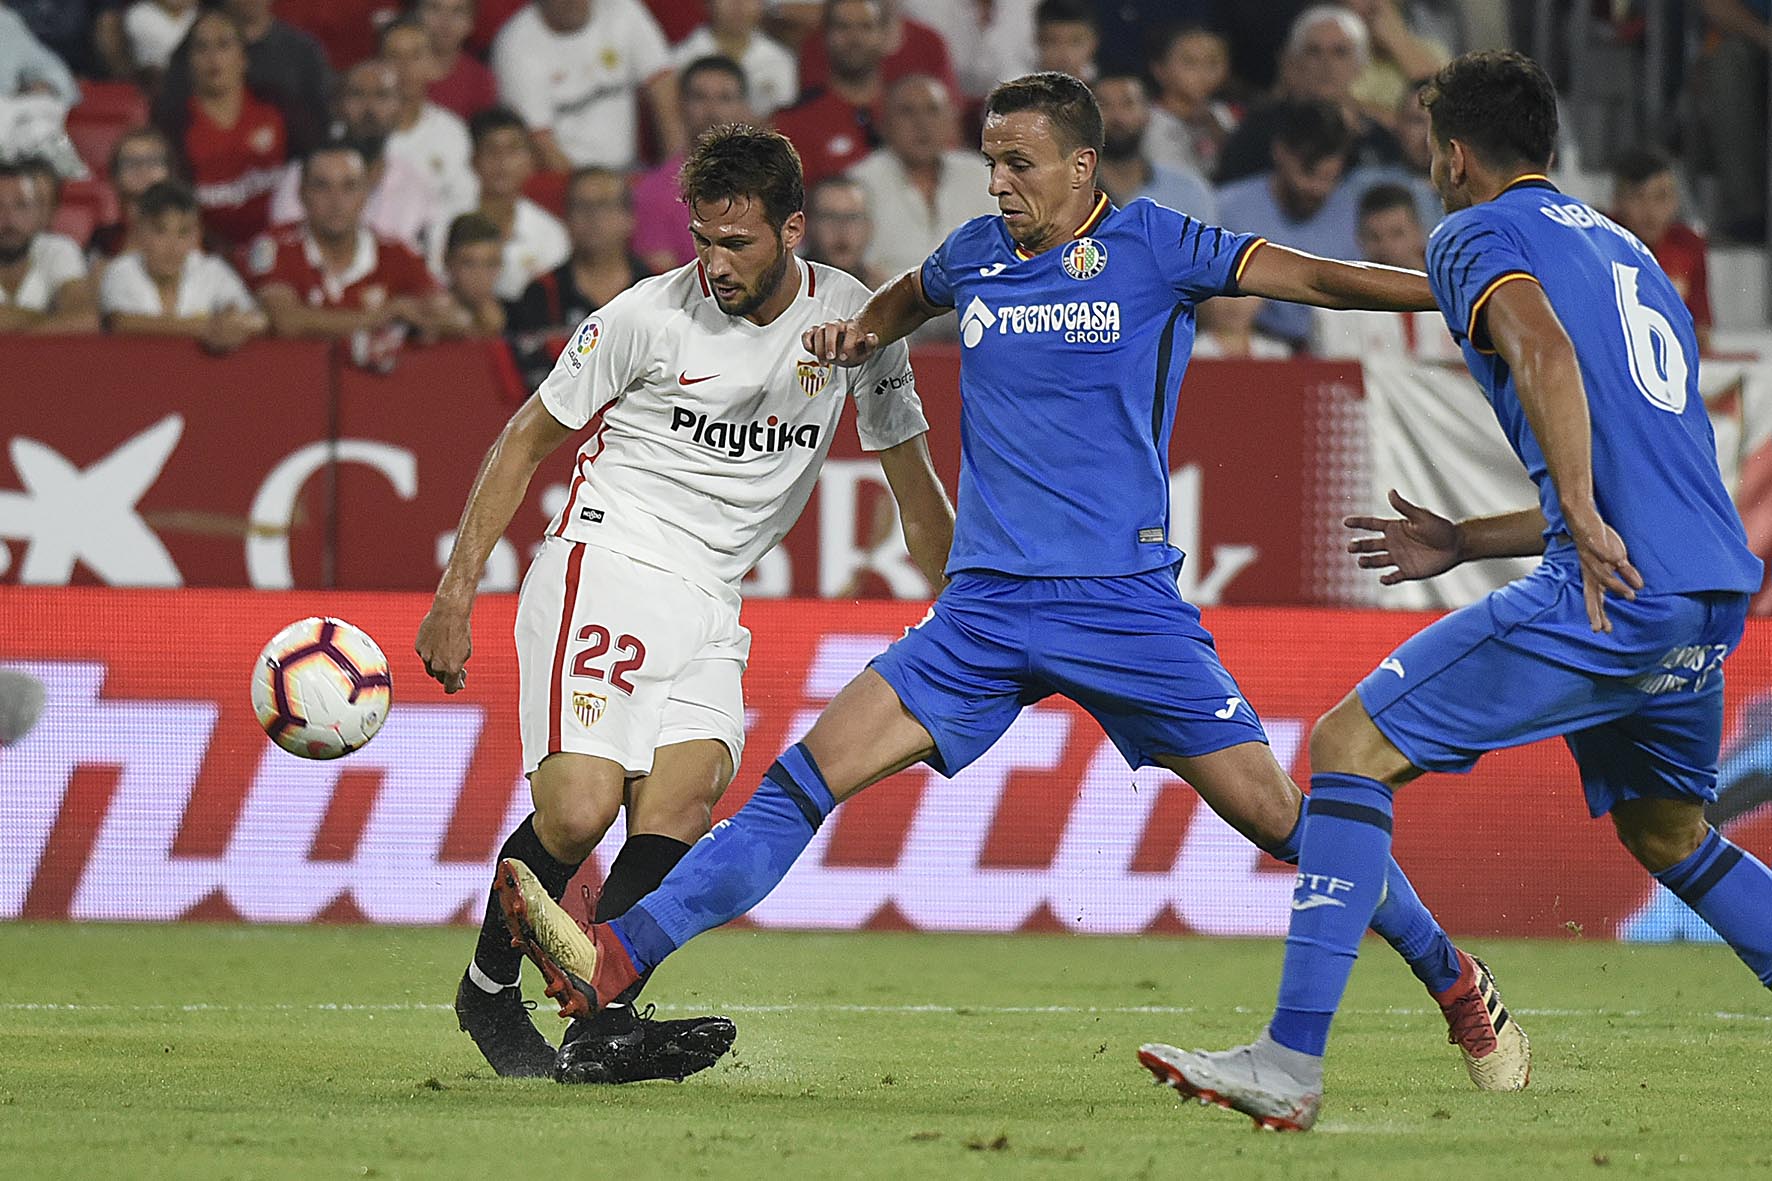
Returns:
<point x="735" y="866"/>
<point x="1341" y="877"/>
<point x="1402" y="920"/>
<point x="1732" y="891"/>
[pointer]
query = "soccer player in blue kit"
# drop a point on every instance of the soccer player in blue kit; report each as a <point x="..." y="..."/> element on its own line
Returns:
<point x="1616" y="642"/>
<point x="1076" y="324"/>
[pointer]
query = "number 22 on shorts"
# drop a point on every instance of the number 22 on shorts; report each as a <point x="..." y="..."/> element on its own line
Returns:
<point x="597" y="644"/>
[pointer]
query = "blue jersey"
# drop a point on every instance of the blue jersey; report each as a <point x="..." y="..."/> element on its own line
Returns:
<point x="1071" y="362"/>
<point x="1654" y="456"/>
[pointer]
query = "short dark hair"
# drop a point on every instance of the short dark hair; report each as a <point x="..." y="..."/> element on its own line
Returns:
<point x="824" y="19"/>
<point x="333" y="145"/>
<point x="145" y="131"/>
<point x="484" y="123"/>
<point x="1636" y="165"/>
<point x="1059" y="97"/>
<point x="1382" y="198"/>
<point x="737" y="160"/>
<point x="1066" y="12"/>
<point x="468" y="229"/>
<point x="713" y="63"/>
<point x="166" y="196"/>
<point x="1164" y="38"/>
<point x="408" y="21"/>
<point x="1499" y="104"/>
<point x="599" y="172"/>
<point x="1312" y="129"/>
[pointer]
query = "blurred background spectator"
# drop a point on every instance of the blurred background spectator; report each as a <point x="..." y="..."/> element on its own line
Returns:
<point x="463" y="85"/>
<point x="152" y="29"/>
<point x="1300" y="200"/>
<point x="233" y="144"/>
<point x="167" y="286"/>
<point x="1400" y="58"/>
<point x="840" y="228"/>
<point x="1225" y="327"/>
<point x="834" y="126"/>
<point x="473" y="255"/>
<point x="28" y="66"/>
<point x="919" y="185"/>
<point x="1127" y="171"/>
<point x="401" y="203"/>
<point x="533" y="239"/>
<point x="431" y="139"/>
<point x="1325" y="52"/>
<point x="284" y="66"/>
<point x="571" y="69"/>
<point x="1390" y="232"/>
<point x="988" y="41"/>
<point x="1732" y="111"/>
<point x="1189" y="121"/>
<point x="909" y="47"/>
<point x="1646" y="201"/>
<point x="44" y="286"/>
<point x="143" y="157"/>
<point x="733" y="31"/>
<point x="1066" y="36"/>
<point x="87" y="35"/>
<point x="711" y="91"/>
<point x="331" y="278"/>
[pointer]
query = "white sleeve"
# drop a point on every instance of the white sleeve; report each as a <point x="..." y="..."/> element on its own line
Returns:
<point x="121" y="289"/>
<point x="605" y="358"/>
<point x="62" y="261"/>
<point x="522" y="83"/>
<point x="227" y="292"/>
<point x="887" y="409"/>
<point x="647" y="45"/>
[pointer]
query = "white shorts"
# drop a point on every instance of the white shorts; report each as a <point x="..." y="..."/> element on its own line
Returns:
<point x="617" y="658"/>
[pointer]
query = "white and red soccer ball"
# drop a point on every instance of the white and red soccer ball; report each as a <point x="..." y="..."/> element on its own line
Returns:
<point x="321" y="688"/>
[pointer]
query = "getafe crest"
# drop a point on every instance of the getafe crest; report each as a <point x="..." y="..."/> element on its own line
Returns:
<point x="813" y="376"/>
<point x="588" y="707"/>
<point x="1084" y="259"/>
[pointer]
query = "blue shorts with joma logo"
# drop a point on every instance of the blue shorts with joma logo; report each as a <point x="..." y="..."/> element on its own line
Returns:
<point x="1128" y="649"/>
<point x="1641" y="708"/>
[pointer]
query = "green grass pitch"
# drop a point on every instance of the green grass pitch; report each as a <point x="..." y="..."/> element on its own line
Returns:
<point x="197" y="1051"/>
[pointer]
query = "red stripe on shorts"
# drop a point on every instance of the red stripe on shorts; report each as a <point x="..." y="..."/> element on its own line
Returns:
<point x="556" y="686"/>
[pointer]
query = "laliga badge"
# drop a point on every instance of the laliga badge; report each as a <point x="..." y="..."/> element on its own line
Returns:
<point x="583" y="343"/>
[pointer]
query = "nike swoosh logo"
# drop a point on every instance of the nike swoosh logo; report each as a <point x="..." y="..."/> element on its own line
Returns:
<point x="683" y="378"/>
<point x="1314" y="901"/>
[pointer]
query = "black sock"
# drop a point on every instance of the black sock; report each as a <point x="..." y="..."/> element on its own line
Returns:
<point x="641" y="865"/>
<point x="495" y="957"/>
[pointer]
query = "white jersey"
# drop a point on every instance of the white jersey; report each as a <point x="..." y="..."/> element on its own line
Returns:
<point x="708" y="430"/>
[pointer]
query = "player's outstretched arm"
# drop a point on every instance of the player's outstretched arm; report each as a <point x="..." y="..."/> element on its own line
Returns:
<point x="895" y="311"/>
<point x="1422" y="544"/>
<point x="923" y="507"/>
<point x="444" y="637"/>
<point x="1524" y="329"/>
<point x="1279" y="272"/>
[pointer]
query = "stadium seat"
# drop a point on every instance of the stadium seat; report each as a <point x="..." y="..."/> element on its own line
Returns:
<point x="95" y="139"/>
<point x="121" y="101"/>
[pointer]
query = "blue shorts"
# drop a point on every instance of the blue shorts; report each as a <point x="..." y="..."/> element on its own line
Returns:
<point x="1128" y="649"/>
<point x="1641" y="708"/>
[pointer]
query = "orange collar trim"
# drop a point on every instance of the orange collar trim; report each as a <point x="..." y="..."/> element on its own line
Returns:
<point x="1095" y="218"/>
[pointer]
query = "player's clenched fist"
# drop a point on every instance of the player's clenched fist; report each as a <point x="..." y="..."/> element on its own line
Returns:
<point x="445" y="640"/>
<point x="841" y="341"/>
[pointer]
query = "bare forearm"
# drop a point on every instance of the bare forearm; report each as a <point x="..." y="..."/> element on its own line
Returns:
<point x="1279" y="272"/>
<point x="498" y="490"/>
<point x="1518" y="534"/>
<point x="298" y="321"/>
<point x="138" y="324"/>
<point x="897" y="310"/>
<point x="925" y="513"/>
<point x="73" y="322"/>
<point x="1547" y="378"/>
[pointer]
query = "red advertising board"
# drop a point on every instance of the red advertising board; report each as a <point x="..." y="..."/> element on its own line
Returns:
<point x="140" y="462"/>
<point x="147" y="792"/>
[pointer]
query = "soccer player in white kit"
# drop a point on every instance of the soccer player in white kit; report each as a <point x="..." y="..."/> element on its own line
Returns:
<point x="707" y="422"/>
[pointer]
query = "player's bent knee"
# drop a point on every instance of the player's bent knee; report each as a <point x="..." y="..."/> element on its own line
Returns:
<point x="1345" y="741"/>
<point x="1660" y="833"/>
<point x="576" y="800"/>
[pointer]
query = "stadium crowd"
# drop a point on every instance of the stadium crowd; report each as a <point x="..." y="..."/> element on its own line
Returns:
<point x="379" y="173"/>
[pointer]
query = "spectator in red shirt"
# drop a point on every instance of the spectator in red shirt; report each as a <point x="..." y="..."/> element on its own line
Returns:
<point x="331" y="278"/>
<point x="911" y="48"/>
<point x="1646" y="201"/>
<point x="834" y="127"/>
<point x="711" y="91"/>
<point x="284" y="66"/>
<point x="234" y="143"/>
<point x="464" y="84"/>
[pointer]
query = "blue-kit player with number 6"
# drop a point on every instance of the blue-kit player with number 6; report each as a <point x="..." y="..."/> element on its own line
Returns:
<point x="1076" y="324"/>
<point x="1615" y="643"/>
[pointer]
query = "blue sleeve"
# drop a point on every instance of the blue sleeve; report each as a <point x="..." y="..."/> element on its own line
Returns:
<point x="938" y="289"/>
<point x="1469" y="256"/>
<point x="1200" y="260"/>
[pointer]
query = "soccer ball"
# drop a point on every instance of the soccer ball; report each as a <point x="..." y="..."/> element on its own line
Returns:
<point x="321" y="688"/>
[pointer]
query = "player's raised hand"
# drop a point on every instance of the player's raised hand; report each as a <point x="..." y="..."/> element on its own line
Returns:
<point x="1605" y="567"/>
<point x="841" y="341"/>
<point x="1419" y="544"/>
<point x="445" y="641"/>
